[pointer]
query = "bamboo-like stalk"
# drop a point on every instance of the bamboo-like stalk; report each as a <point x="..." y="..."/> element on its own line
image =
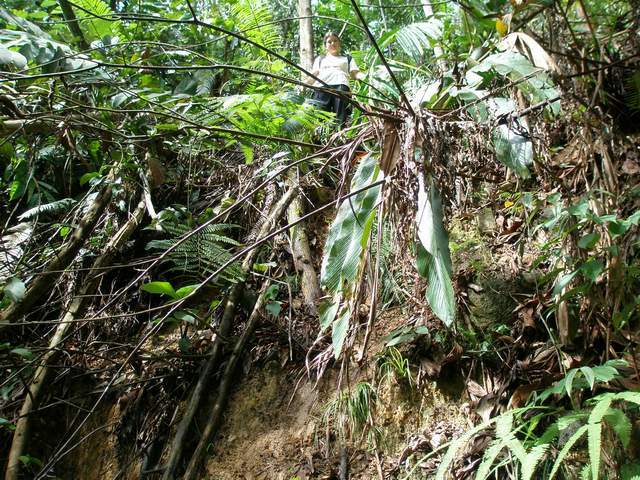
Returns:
<point x="175" y="452"/>
<point x="225" y="385"/>
<point x="61" y="259"/>
<point x="76" y="309"/>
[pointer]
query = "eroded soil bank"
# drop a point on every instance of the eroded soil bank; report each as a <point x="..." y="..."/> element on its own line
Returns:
<point x="282" y="425"/>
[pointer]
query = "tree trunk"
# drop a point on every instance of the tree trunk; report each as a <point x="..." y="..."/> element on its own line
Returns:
<point x="72" y="22"/>
<point x="301" y="251"/>
<point x="306" y="34"/>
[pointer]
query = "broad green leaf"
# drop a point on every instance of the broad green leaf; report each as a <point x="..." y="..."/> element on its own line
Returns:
<point x="184" y="344"/>
<point x="349" y="230"/>
<point x="328" y="311"/>
<point x="568" y="382"/>
<point x="434" y="258"/>
<point x="159" y="288"/>
<point x="274" y="308"/>
<point x="339" y="332"/>
<point x="28" y="461"/>
<point x="605" y="373"/>
<point x="530" y="47"/>
<point x="589" y="241"/>
<point x="592" y="269"/>
<point x="564" y="281"/>
<point x="403" y="338"/>
<point x="514" y="66"/>
<point x="23" y="352"/>
<point x="185" y="317"/>
<point x="8" y="57"/>
<point x="514" y="148"/>
<point x="6" y="424"/>
<point x="17" y="188"/>
<point x="15" y="289"/>
<point x="589" y="376"/>
<point x="184" y="291"/>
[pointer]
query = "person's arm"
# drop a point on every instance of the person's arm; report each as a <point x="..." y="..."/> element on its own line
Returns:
<point x="315" y="70"/>
<point x="355" y="72"/>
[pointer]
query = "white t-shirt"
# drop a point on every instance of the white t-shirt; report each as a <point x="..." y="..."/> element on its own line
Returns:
<point x="334" y="69"/>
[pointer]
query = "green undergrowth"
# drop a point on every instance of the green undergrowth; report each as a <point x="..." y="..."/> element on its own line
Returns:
<point x="577" y="428"/>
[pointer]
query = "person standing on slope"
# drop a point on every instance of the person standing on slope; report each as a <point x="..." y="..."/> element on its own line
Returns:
<point x="335" y="70"/>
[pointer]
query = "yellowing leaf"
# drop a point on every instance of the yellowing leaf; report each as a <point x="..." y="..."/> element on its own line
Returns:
<point x="502" y="27"/>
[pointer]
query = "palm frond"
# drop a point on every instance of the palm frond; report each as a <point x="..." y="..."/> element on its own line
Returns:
<point x="417" y="38"/>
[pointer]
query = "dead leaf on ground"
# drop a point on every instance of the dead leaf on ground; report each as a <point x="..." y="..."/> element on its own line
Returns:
<point x="630" y="167"/>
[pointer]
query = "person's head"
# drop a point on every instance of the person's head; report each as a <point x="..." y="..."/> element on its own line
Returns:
<point x="331" y="43"/>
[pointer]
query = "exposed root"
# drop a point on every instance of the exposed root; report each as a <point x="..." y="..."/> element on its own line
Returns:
<point x="225" y="385"/>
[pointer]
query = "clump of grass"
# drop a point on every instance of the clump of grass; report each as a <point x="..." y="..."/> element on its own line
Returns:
<point x="349" y="414"/>
<point x="393" y="364"/>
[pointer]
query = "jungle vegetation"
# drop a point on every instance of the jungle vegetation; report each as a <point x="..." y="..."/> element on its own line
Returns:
<point x="163" y="178"/>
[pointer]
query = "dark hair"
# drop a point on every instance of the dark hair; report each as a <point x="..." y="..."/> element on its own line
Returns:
<point x="329" y="34"/>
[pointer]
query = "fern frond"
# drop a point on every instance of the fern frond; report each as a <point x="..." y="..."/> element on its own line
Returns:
<point x="632" y="87"/>
<point x="48" y="208"/>
<point x="202" y="253"/>
<point x="531" y="461"/>
<point x="632" y="397"/>
<point x="585" y="472"/>
<point x="565" y="450"/>
<point x="97" y="28"/>
<point x="489" y="458"/>
<point x="595" y="432"/>
<point x="252" y="18"/>
<point x="594" y="442"/>
<point x="620" y="424"/>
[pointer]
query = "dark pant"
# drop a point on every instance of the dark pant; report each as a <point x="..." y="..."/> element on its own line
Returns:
<point x="333" y="103"/>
